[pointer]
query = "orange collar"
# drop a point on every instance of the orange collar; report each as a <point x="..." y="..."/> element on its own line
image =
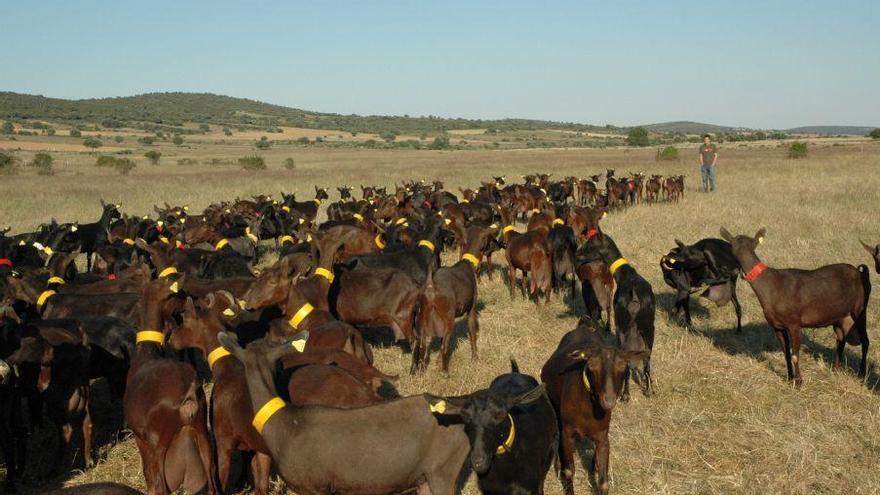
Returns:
<point x="756" y="271"/>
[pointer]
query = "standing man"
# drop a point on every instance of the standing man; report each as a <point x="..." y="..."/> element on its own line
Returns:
<point x="708" y="157"/>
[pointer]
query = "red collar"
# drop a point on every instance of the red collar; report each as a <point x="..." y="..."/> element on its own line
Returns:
<point x="591" y="233"/>
<point x="112" y="276"/>
<point x="756" y="271"/>
<point x="6" y="261"/>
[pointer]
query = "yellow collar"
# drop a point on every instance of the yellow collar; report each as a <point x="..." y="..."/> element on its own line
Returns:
<point x="511" y="437"/>
<point x="536" y="210"/>
<point x="168" y="271"/>
<point x="358" y="217"/>
<point x="317" y="201"/>
<point x="507" y="229"/>
<point x="288" y="238"/>
<point x="150" y="336"/>
<point x="286" y="208"/>
<point x="216" y="355"/>
<point x="266" y="412"/>
<point x="221" y="244"/>
<point x="558" y="221"/>
<point x="472" y="259"/>
<point x="251" y="235"/>
<point x="427" y="244"/>
<point x="617" y="264"/>
<point x="379" y="242"/>
<point x="43" y="298"/>
<point x="323" y="272"/>
<point x="400" y="221"/>
<point x="465" y="201"/>
<point x="56" y="280"/>
<point x="301" y="315"/>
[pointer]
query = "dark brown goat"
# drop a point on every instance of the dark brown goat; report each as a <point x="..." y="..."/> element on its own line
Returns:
<point x="794" y="299"/>
<point x="399" y="445"/>
<point x="583" y="379"/>
<point x="529" y="253"/>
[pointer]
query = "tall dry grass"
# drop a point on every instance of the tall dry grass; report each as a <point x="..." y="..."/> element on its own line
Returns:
<point x="724" y="419"/>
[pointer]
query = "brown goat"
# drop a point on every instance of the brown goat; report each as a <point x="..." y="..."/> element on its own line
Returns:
<point x="397" y="445"/>
<point x="583" y="379"/>
<point x="164" y="406"/>
<point x="528" y="252"/>
<point x="794" y="299"/>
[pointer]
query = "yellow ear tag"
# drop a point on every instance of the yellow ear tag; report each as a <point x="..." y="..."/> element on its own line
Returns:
<point x="22" y="243"/>
<point x="302" y="221"/>
<point x="242" y="304"/>
<point x="760" y="240"/>
<point x="299" y="345"/>
<point x="74" y="228"/>
<point x="48" y="251"/>
<point x="439" y="407"/>
<point x="228" y="312"/>
<point x="174" y="288"/>
<point x="182" y="220"/>
<point x="186" y="208"/>
<point x="604" y="214"/>
<point x="447" y="221"/>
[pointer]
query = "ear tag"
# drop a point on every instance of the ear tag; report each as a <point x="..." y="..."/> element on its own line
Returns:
<point x="186" y="208"/>
<point x="439" y="407"/>
<point x="242" y="304"/>
<point x="604" y="214"/>
<point x="228" y="312"/>
<point x="74" y="228"/>
<point x="299" y="345"/>
<point x="174" y="288"/>
<point x="760" y="240"/>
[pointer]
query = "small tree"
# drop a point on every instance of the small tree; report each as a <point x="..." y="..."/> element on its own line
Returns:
<point x="797" y="149"/>
<point x="119" y="139"/>
<point x="93" y="143"/>
<point x="148" y="140"/>
<point x="303" y="140"/>
<point x="263" y="143"/>
<point x="637" y="136"/>
<point x="668" y="153"/>
<point x="43" y="163"/>
<point x="875" y="134"/>
<point x="7" y="128"/>
<point x="289" y="164"/>
<point x="204" y="127"/>
<point x="50" y="131"/>
<point x="153" y="156"/>
<point x="252" y="162"/>
<point x="227" y="131"/>
<point x="389" y="136"/>
<point x="75" y="133"/>
<point x="178" y="140"/>
<point x="8" y="163"/>
<point x="439" y="143"/>
<point x="760" y="136"/>
<point x="124" y="165"/>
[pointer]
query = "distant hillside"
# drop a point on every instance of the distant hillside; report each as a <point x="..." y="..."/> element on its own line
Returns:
<point x="687" y="127"/>
<point x="175" y="109"/>
<point x="832" y="130"/>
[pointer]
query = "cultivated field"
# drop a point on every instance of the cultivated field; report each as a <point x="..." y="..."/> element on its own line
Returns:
<point x="724" y="420"/>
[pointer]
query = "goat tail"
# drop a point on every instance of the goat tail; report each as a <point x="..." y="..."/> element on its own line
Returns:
<point x="189" y="406"/>
<point x="542" y="270"/>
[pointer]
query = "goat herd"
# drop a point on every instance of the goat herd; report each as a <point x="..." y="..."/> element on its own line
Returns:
<point x="294" y="384"/>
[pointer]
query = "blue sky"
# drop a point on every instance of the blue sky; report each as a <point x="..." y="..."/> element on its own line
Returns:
<point x="773" y="64"/>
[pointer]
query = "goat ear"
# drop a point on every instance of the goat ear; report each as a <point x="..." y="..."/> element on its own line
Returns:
<point x="726" y="235"/>
<point x="759" y="236"/>
<point x="679" y="243"/>
<point x="869" y="249"/>
<point x="230" y="343"/>
<point x="634" y="357"/>
<point x="528" y="397"/>
<point x="189" y="306"/>
<point x="451" y="406"/>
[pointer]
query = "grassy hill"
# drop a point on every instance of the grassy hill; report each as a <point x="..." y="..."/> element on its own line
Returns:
<point x="831" y="130"/>
<point x="176" y="109"/>
<point x="687" y="127"/>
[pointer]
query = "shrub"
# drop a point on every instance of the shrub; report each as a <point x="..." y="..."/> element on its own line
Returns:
<point x="668" y="153"/>
<point x="122" y="165"/>
<point x="75" y="133"/>
<point x="797" y="149"/>
<point x="7" y="128"/>
<point x="204" y="127"/>
<point x="91" y="142"/>
<point x="875" y="134"/>
<point x="439" y="143"/>
<point x="153" y="156"/>
<point x="148" y="140"/>
<point x="43" y="163"/>
<point x="187" y="161"/>
<point x="8" y="163"/>
<point x="227" y="131"/>
<point x="119" y="139"/>
<point x="303" y="140"/>
<point x="252" y="162"/>
<point x="637" y="136"/>
<point x="289" y="164"/>
<point x="263" y="143"/>
<point x="50" y="131"/>
<point x="389" y="136"/>
<point x="178" y="140"/>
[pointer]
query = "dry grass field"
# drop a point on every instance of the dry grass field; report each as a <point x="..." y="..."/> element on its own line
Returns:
<point x="724" y="419"/>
